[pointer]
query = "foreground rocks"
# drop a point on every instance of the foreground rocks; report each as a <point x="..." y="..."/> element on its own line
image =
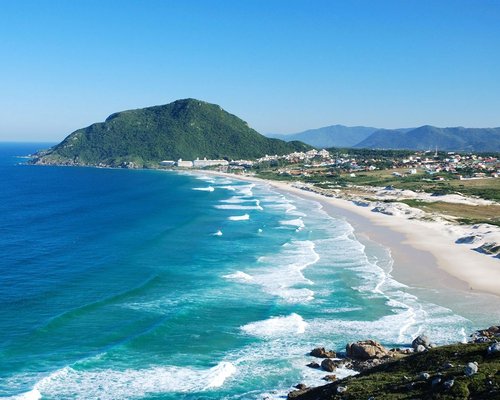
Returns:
<point x="486" y="335"/>
<point x="460" y="371"/>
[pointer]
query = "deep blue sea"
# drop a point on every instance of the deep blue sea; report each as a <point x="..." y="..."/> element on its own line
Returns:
<point x="123" y="284"/>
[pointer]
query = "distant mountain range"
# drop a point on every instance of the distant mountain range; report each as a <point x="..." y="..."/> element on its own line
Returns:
<point x="423" y="138"/>
<point x="429" y="137"/>
<point x="185" y="129"/>
<point x="330" y="136"/>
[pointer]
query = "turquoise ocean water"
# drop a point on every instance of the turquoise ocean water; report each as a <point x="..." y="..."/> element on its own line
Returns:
<point x="122" y="284"/>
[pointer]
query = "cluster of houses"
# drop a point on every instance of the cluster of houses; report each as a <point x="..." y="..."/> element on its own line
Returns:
<point x="313" y="161"/>
<point x="299" y="157"/>
<point x="321" y="161"/>
<point x="463" y="166"/>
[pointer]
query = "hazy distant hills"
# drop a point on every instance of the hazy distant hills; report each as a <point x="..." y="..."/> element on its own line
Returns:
<point x="423" y="138"/>
<point x="429" y="137"/>
<point x="330" y="136"/>
<point x="185" y="129"/>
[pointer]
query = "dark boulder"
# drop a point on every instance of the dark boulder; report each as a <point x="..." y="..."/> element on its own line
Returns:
<point x="320" y="352"/>
<point x="328" y="365"/>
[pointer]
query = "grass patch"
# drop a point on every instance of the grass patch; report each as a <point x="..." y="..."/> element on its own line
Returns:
<point x="463" y="213"/>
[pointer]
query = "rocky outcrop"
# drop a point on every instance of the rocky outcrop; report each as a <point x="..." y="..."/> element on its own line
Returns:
<point x="328" y="365"/>
<point x="320" y="352"/>
<point x="494" y="349"/>
<point x="490" y="248"/>
<point x="421" y="343"/>
<point x="486" y="335"/>
<point x="365" y="350"/>
<point x="469" y="239"/>
<point x="471" y="369"/>
<point x="461" y="371"/>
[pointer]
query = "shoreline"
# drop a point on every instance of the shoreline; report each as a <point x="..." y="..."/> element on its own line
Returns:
<point x="425" y="252"/>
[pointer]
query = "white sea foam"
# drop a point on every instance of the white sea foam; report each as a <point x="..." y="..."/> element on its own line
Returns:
<point x="31" y="395"/>
<point x="276" y="326"/>
<point x="246" y="190"/>
<point x="243" y="217"/>
<point x="238" y="200"/>
<point x="205" y="178"/>
<point x="218" y="233"/>
<point x="281" y="274"/>
<point x="299" y="223"/>
<point x="223" y="182"/>
<point x="239" y="276"/>
<point x="228" y="187"/>
<point x="205" y="189"/>
<point x="107" y="384"/>
<point x="280" y="202"/>
<point x="237" y="207"/>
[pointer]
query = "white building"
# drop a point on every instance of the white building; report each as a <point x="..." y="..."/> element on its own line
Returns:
<point x="184" y="164"/>
<point x="209" y="163"/>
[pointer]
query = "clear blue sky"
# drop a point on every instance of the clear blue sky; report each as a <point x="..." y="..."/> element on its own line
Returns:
<point x="282" y="65"/>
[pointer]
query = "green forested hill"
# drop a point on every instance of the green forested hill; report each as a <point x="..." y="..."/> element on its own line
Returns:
<point x="184" y="129"/>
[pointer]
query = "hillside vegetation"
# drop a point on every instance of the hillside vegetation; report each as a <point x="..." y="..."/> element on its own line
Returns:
<point x="185" y="129"/>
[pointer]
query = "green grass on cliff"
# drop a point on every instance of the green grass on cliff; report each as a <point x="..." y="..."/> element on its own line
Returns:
<point x="399" y="380"/>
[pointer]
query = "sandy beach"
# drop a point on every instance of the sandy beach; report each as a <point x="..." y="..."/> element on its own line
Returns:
<point x="425" y="253"/>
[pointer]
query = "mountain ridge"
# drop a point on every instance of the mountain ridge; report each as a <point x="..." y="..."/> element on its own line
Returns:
<point x="330" y="136"/>
<point x="186" y="128"/>
<point x="428" y="137"/>
<point x="425" y="137"/>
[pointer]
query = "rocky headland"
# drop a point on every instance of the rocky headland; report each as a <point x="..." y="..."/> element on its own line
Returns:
<point x="423" y="371"/>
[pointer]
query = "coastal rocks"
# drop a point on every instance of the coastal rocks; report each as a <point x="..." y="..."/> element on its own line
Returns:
<point x="365" y="350"/>
<point x="320" y="352"/>
<point x="494" y="349"/>
<point x="436" y="380"/>
<point x="471" y="369"/>
<point x="362" y="203"/>
<point x="328" y="365"/>
<point x="486" y="335"/>
<point x="314" y="365"/>
<point x="424" y="376"/>
<point x="447" y="385"/>
<point x="422" y="341"/>
<point x="447" y="366"/>
<point x="490" y="248"/>
<point x="330" y="378"/>
<point x="420" y="349"/>
<point x="294" y="394"/>
<point x="470" y="239"/>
